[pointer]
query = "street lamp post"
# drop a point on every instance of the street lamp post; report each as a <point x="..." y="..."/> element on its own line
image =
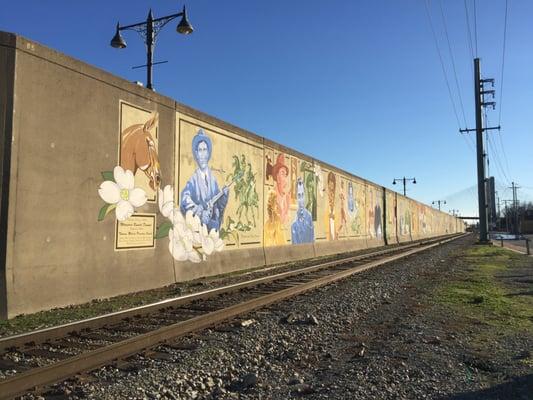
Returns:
<point x="148" y="30"/>
<point x="404" y="180"/>
<point x="439" y="202"/>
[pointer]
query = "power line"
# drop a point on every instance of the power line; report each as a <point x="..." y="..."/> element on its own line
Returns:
<point x="497" y="157"/>
<point x="442" y="63"/>
<point x="501" y="85"/>
<point x="475" y="26"/>
<point x="453" y="61"/>
<point x="503" y="59"/>
<point x="469" y="32"/>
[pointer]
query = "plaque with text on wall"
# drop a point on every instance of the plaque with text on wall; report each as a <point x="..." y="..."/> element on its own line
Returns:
<point x="137" y="232"/>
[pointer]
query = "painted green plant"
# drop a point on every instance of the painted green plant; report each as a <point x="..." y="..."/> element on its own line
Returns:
<point x="245" y="189"/>
<point x="310" y="183"/>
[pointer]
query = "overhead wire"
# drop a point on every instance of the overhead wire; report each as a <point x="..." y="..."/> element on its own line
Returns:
<point x="453" y="61"/>
<point x="444" y="72"/>
<point x="468" y="29"/>
<point x="442" y="63"/>
<point x="475" y="27"/>
<point x="501" y="85"/>
<point x="504" y="176"/>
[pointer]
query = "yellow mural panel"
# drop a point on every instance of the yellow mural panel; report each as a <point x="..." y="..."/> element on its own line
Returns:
<point x="138" y="148"/>
<point x="374" y="212"/>
<point x="391" y="215"/>
<point x="220" y="179"/>
<point x="290" y="199"/>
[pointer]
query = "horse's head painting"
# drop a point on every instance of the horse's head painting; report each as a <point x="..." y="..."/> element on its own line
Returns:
<point x="139" y="151"/>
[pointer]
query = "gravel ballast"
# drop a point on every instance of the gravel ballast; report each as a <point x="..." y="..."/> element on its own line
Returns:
<point x="377" y="335"/>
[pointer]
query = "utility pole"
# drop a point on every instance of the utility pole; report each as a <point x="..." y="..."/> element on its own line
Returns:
<point x="506" y="214"/>
<point x="439" y="202"/>
<point x="515" y="209"/>
<point x="498" y="216"/>
<point x="479" y="93"/>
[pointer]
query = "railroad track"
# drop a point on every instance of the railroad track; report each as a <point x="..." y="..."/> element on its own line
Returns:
<point x="40" y="358"/>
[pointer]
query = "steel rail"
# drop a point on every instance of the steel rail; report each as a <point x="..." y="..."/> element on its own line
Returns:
<point x="47" y="334"/>
<point x="57" y="372"/>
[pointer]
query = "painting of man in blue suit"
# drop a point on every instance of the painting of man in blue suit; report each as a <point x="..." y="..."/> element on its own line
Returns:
<point x="302" y="229"/>
<point x="201" y="193"/>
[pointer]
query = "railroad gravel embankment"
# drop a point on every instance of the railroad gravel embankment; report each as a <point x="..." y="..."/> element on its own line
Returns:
<point x="387" y="333"/>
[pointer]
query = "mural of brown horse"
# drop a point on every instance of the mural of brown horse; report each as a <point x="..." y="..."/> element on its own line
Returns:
<point x="139" y="151"/>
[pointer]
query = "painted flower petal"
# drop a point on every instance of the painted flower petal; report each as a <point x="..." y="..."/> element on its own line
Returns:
<point x="124" y="210"/>
<point x="203" y="231"/>
<point x="123" y="178"/>
<point x="219" y="245"/>
<point x="189" y="218"/>
<point x="187" y="244"/>
<point x="213" y="234"/>
<point x="196" y="238"/>
<point x="176" y="216"/>
<point x="194" y="256"/>
<point x="208" y="246"/>
<point x="109" y="192"/>
<point x="166" y="201"/>
<point x="168" y="194"/>
<point x="196" y="223"/>
<point x="177" y="250"/>
<point x="137" y="197"/>
<point x="160" y="199"/>
<point x="167" y="209"/>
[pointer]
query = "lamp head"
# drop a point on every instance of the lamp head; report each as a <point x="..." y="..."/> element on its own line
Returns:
<point x="184" y="27"/>
<point x="414" y="181"/>
<point x="118" y="41"/>
<point x="394" y="182"/>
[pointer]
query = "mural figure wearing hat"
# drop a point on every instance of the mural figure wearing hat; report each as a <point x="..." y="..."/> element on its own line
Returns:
<point x="280" y="172"/>
<point x="201" y="193"/>
<point x="302" y="229"/>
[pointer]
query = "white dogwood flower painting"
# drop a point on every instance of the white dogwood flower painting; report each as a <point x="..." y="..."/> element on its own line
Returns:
<point x="166" y="201"/>
<point x="120" y="194"/>
<point x="189" y="239"/>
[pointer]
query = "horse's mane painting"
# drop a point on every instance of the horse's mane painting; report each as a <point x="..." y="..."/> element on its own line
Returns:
<point x="139" y="150"/>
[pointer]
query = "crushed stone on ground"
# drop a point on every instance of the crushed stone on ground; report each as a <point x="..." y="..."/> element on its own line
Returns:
<point x="376" y="335"/>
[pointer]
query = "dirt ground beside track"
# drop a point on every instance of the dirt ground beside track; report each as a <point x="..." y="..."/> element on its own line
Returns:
<point x="455" y="322"/>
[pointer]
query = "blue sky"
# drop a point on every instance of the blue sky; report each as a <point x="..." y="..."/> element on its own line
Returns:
<point x="357" y="84"/>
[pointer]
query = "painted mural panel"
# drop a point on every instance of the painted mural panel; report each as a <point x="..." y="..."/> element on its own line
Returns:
<point x="375" y="212"/>
<point x="328" y="207"/>
<point x="231" y="192"/>
<point x="352" y="208"/>
<point x="138" y="147"/>
<point x="290" y="199"/>
<point x="134" y="179"/>
<point x="219" y="182"/>
<point x="404" y="216"/>
<point x="391" y="215"/>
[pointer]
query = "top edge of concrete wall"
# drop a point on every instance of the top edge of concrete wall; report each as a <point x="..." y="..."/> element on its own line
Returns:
<point x="36" y="49"/>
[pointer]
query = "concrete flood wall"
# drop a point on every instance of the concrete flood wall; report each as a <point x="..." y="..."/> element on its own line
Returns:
<point x="110" y="188"/>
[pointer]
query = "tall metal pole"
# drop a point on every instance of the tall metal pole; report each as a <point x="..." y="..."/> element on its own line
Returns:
<point x="149" y="49"/>
<point x="479" y="150"/>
